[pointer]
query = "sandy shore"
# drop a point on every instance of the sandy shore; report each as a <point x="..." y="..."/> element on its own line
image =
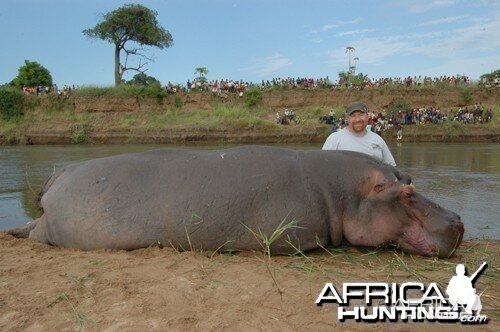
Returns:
<point x="44" y="288"/>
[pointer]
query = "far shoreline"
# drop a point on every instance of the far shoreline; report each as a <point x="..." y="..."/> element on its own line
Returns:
<point x="204" y="136"/>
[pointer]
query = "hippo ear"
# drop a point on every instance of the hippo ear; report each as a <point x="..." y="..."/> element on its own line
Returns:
<point x="403" y="177"/>
<point x="405" y="193"/>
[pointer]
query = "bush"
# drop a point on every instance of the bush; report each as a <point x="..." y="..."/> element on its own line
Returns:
<point x="157" y="92"/>
<point x="124" y="90"/>
<point x="11" y="104"/>
<point x="143" y="79"/>
<point x="399" y="105"/>
<point x="467" y="97"/>
<point x="80" y="134"/>
<point x="32" y="74"/>
<point x="177" y="101"/>
<point x="253" y="97"/>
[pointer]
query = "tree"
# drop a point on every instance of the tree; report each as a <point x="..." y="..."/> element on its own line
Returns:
<point x="202" y="72"/>
<point x="490" y="77"/>
<point x="32" y="74"/>
<point x="130" y="23"/>
<point x="143" y="79"/>
<point x="350" y="50"/>
<point x="359" y="79"/>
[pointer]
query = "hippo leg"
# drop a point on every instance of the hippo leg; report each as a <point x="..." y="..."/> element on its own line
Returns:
<point x="38" y="233"/>
<point x="24" y="231"/>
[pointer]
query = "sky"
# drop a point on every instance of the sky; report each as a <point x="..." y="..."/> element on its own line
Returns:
<point x="252" y="40"/>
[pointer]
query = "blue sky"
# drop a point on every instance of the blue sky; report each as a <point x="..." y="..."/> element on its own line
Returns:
<point x="257" y="39"/>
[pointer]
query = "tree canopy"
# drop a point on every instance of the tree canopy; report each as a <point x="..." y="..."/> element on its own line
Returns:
<point x="143" y="79"/>
<point x="490" y="76"/>
<point x="202" y="72"/>
<point x="130" y="23"/>
<point x="32" y="74"/>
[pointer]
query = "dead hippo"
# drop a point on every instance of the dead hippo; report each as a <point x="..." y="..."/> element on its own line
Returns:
<point x="229" y="199"/>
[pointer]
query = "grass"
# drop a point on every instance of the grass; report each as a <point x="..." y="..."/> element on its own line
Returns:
<point x="79" y="284"/>
<point x="124" y="90"/>
<point x="267" y="240"/>
<point x="160" y="114"/>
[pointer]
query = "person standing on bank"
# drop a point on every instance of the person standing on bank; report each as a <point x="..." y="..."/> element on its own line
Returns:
<point x="355" y="137"/>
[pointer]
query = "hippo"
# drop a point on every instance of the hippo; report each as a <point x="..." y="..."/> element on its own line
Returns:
<point x="231" y="199"/>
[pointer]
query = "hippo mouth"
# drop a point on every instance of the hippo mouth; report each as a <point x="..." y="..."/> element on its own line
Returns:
<point x="414" y="238"/>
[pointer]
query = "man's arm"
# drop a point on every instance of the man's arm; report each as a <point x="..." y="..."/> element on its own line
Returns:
<point x="387" y="156"/>
<point x="331" y="142"/>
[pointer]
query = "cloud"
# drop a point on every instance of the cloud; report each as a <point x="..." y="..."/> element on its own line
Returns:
<point x="464" y="41"/>
<point x="264" y="67"/>
<point x="330" y="26"/>
<point x="420" y="6"/>
<point x="327" y="27"/>
<point x="443" y="20"/>
<point x="479" y="39"/>
<point x="353" y="32"/>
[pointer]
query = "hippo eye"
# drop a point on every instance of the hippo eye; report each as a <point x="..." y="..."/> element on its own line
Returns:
<point x="379" y="187"/>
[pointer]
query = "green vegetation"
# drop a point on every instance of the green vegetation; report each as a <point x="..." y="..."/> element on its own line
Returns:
<point x="150" y="112"/>
<point x="467" y="97"/>
<point x="399" y="105"/>
<point x="80" y="134"/>
<point x="178" y="101"/>
<point x="124" y="90"/>
<point x="202" y="73"/>
<point x="266" y="242"/>
<point x="11" y="104"/>
<point x="253" y="97"/>
<point x="490" y="77"/>
<point x="143" y="80"/>
<point x="130" y="23"/>
<point x="32" y="74"/>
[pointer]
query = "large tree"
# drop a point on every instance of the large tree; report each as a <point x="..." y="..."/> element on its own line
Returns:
<point x="130" y="23"/>
<point x="32" y="74"/>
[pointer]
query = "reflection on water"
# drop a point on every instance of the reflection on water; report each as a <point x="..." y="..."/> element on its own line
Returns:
<point x="464" y="178"/>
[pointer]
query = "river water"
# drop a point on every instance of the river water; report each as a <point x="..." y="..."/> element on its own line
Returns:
<point x="464" y="178"/>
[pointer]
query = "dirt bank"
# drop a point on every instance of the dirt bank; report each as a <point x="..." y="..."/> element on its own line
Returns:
<point x="45" y="288"/>
<point x="198" y="117"/>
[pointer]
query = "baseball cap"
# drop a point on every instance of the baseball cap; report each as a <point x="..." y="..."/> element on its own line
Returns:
<point x="356" y="106"/>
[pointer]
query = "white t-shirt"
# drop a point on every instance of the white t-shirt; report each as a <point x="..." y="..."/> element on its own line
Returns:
<point x="367" y="142"/>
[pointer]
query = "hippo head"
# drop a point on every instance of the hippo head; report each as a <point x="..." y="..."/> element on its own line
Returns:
<point x="391" y="212"/>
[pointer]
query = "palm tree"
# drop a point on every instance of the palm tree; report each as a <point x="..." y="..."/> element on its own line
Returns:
<point x="350" y="50"/>
<point x="201" y="71"/>
<point x="356" y="59"/>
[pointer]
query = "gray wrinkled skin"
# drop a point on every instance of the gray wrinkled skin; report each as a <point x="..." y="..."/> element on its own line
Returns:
<point x="210" y="200"/>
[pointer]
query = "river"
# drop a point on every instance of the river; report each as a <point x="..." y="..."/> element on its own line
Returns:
<point x="464" y="178"/>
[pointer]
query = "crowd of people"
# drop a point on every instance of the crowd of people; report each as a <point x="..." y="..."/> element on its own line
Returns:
<point x="228" y="86"/>
<point x="288" y="117"/>
<point x="44" y="90"/>
<point x="225" y="86"/>
<point x="458" y="80"/>
<point x="380" y="121"/>
<point x="475" y="114"/>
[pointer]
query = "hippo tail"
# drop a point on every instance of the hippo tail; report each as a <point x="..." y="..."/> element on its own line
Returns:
<point x="23" y="231"/>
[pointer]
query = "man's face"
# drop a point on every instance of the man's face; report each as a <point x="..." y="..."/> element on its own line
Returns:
<point x="358" y="121"/>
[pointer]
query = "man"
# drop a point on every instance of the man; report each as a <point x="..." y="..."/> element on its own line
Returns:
<point x="355" y="137"/>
